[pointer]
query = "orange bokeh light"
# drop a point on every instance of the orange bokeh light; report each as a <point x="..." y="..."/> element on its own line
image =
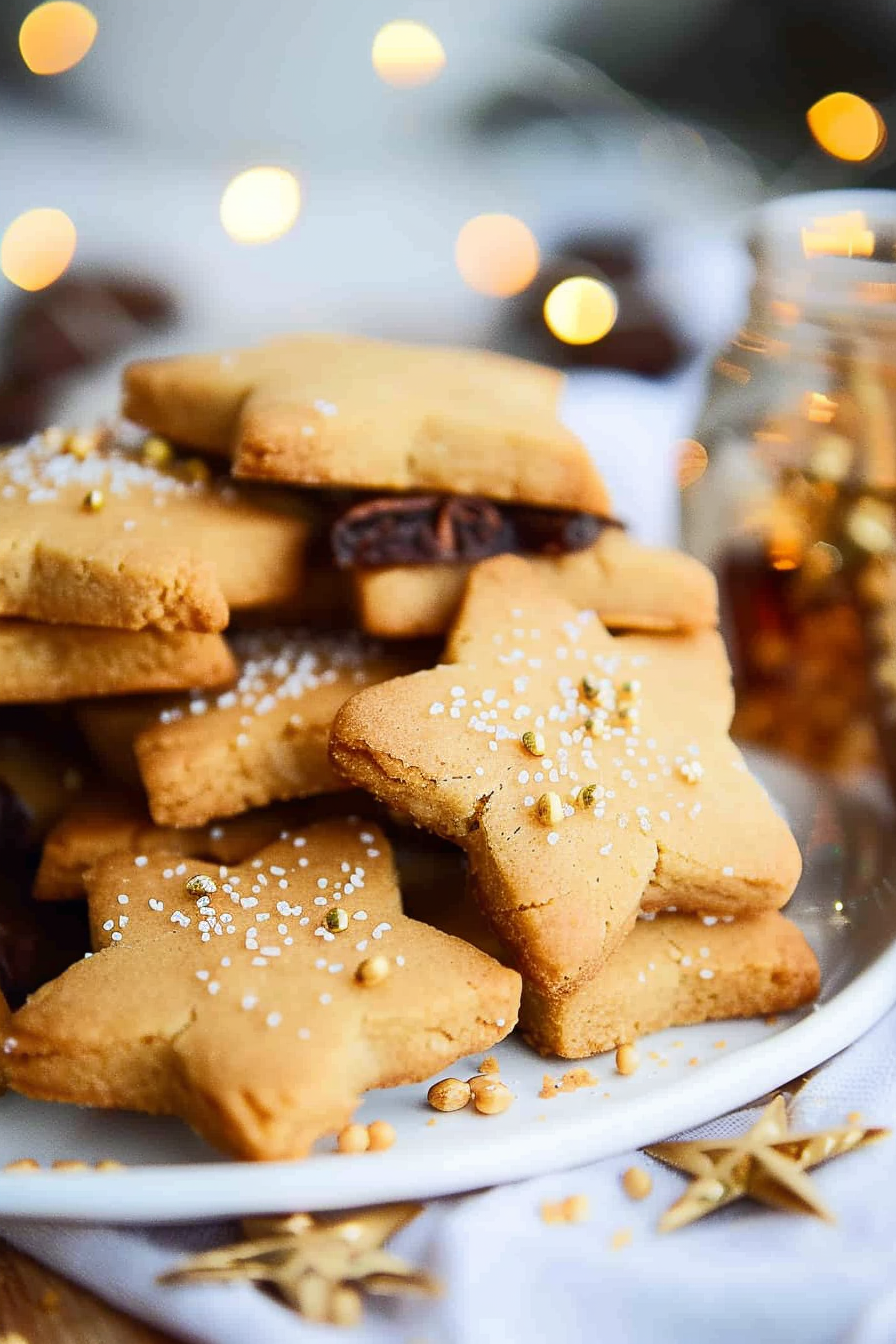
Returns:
<point x="847" y="127"/>
<point x="497" y="255"/>
<point x="37" y="248"/>
<point x="407" y="54"/>
<point x="55" y="36"/>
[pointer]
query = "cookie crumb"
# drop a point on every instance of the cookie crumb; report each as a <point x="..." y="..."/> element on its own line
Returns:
<point x="353" y="1139"/>
<point x="627" y="1060"/>
<point x="489" y="1065"/>
<point x="433" y="1121"/>
<point x="772" y="1021"/>
<point x="573" y="1079"/>
<point x="621" y="1239"/>
<point x="573" y="1209"/>
<point x="854" y="1118"/>
<point x="692" y="1062"/>
<point x="490" y="1097"/>
<point x="719" y="1045"/>
<point x="549" y="1087"/>
<point x="636" y="1183"/>
<point x="449" y="1094"/>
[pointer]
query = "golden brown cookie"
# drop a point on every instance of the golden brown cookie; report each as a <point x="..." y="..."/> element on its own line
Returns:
<point x="103" y="823"/>
<point x="585" y="775"/>
<point x="673" y="972"/>
<point x="631" y="587"/>
<point x="261" y="741"/>
<point x="345" y="411"/>
<point x="241" y="1010"/>
<point x="45" y="768"/>
<point x="105" y="539"/>
<point x="40" y="663"/>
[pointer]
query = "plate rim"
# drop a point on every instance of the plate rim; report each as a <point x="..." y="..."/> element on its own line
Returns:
<point x="139" y="1195"/>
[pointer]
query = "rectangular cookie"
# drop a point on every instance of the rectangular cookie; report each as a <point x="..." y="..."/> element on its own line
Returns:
<point x="41" y="663"/>
<point x="675" y="971"/>
<point x="631" y="587"/>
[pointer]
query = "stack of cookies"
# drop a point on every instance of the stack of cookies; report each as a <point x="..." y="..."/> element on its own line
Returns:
<point x="579" y="840"/>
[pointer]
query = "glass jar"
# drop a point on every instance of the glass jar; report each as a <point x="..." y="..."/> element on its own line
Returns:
<point x="795" y="511"/>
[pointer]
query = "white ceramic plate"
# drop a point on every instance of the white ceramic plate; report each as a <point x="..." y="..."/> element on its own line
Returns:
<point x="846" y="907"/>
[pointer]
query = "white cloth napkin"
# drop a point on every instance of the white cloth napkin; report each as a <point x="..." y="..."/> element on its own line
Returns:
<point x="744" y="1275"/>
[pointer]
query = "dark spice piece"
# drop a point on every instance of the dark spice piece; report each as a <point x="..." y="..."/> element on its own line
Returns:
<point x="440" y="529"/>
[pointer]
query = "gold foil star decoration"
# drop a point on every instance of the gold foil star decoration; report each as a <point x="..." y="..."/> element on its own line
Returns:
<point x="768" y="1164"/>
<point x="320" y="1264"/>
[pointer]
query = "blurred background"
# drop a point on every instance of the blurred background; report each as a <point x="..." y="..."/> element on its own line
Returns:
<point x="434" y="173"/>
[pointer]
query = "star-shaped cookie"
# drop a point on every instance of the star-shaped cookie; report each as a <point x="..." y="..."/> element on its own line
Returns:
<point x="768" y="1164"/>
<point x="344" y="411"/>
<point x="260" y="1010"/>
<point x="585" y="775"/>
<point x="108" y="539"/>
<point x="262" y="740"/>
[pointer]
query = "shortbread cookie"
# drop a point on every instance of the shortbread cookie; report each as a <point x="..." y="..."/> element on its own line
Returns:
<point x="40" y="663"/>
<point x="102" y="823"/>
<point x="260" y="1010"/>
<point x="631" y="587"/>
<point x="583" y="774"/>
<point x="105" y="823"/>
<point x="672" y="972"/>
<point x="106" y="539"/>
<point x="345" y="411"/>
<point x="262" y="741"/>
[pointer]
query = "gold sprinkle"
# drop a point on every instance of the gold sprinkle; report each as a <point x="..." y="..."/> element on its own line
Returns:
<point x="629" y="688"/>
<point x="93" y="501"/>
<point x="449" y="1094"/>
<point x="381" y="1135"/>
<point x="636" y="1183"/>
<point x="194" y="471"/>
<point x="627" y="1060"/>
<point x="490" y="1097"/>
<point x="533" y="742"/>
<point x="336" y="919"/>
<point x="353" y="1139"/>
<point x="590" y="686"/>
<point x="156" y="452"/>
<point x="587" y="796"/>
<point x="550" y="809"/>
<point x="201" y="885"/>
<point x="373" y="970"/>
<point x="80" y="445"/>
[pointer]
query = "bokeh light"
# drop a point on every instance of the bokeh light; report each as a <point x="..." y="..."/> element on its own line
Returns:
<point x="406" y="54"/>
<point x="846" y="235"/>
<point x="847" y="127"/>
<point x="692" y="462"/>
<point x="56" y="36"/>
<point x="497" y="255"/>
<point x="580" y="310"/>
<point x="260" y="204"/>
<point x="37" y="248"/>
